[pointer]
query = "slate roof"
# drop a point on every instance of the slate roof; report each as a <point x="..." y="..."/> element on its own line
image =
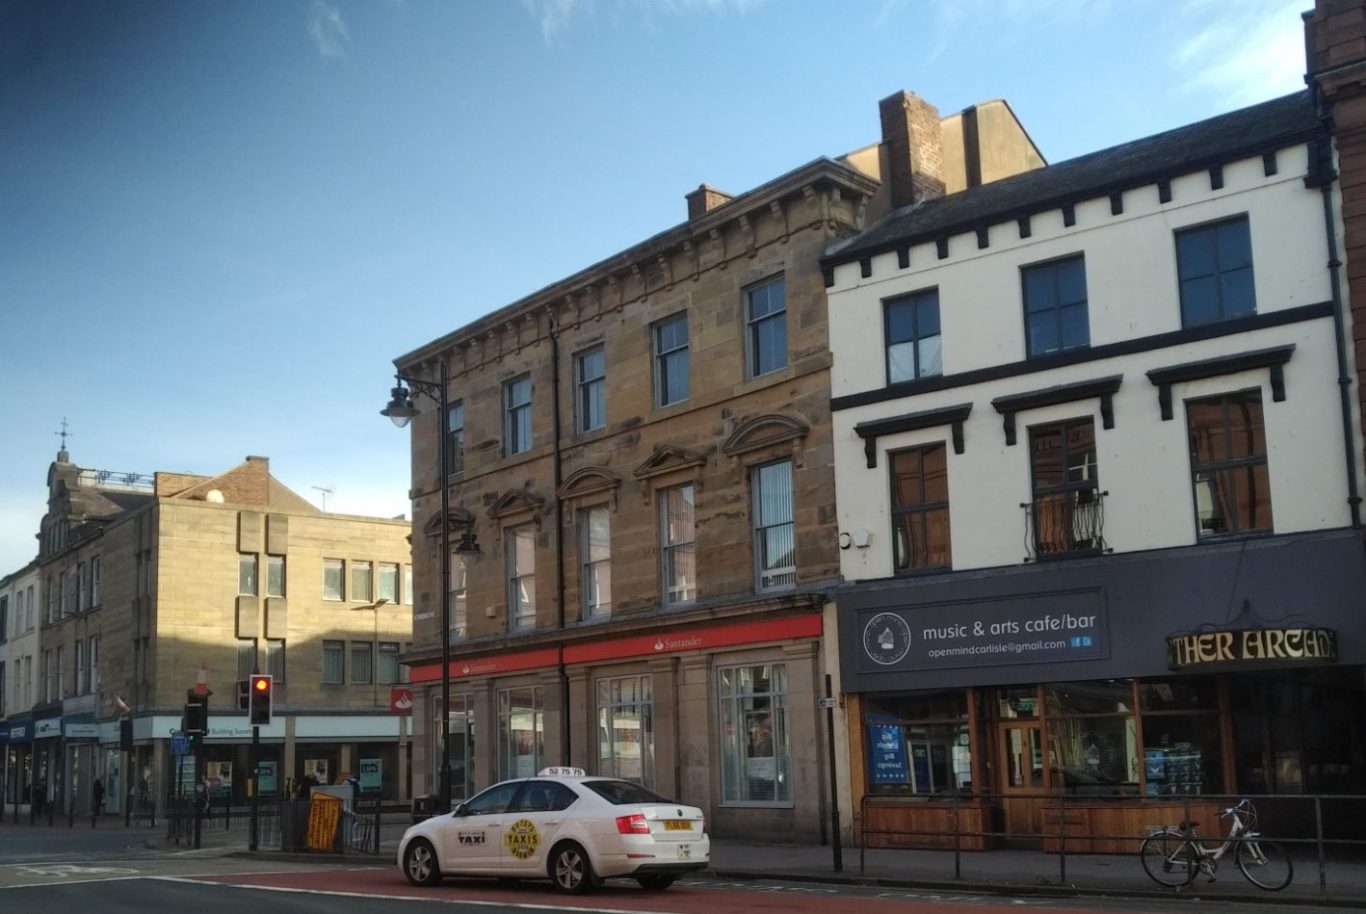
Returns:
<point x="1250" y="131"/>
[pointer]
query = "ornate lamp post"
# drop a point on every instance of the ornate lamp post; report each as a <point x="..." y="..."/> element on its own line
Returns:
<point x="402" y="410"/>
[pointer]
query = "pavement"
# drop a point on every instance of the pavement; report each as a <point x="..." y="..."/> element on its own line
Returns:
<point x="1337" y="882"/>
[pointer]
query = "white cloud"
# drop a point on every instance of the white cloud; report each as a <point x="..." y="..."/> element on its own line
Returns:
<point x="1242" y="52"/>
<point x="555" y="16"/>
<point x="328" y="29"/>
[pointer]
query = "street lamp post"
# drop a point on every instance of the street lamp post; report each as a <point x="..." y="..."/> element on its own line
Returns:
<point x="374" y="645"/>
<point x="401" y="410"/>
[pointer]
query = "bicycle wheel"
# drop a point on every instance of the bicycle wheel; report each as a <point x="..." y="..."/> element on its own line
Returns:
<point x="1168" y="859"/>
<point x="1265" y="864"/>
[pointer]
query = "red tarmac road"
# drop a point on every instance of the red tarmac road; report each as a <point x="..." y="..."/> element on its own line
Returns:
<point x="701" y="896"/>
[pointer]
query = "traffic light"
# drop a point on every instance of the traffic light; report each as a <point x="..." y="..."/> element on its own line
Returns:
<point x="261" y="687"/>
<point x="243" y="695"/>
<point x="196" y="721"/>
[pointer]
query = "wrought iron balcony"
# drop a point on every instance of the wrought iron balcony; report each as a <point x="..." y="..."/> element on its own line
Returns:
<point x="1066" y="524"/>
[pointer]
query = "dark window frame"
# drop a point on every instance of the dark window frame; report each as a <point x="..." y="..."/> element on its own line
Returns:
<point x="455" y="438"/>
<point x="914" y="300"/>
<point x="1226" y="401"/>
<point x="1057" y="306"/>
<point x="1079" y="493"/>
<point x="516" y="416"/>
<point x="923" y="509"/>
<point x="663" y="359"/>
<point x="590" y="393"/>
<point x="1186" y="277"/>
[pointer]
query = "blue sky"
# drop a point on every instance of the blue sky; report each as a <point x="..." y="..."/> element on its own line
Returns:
<point x="223" y="221"/>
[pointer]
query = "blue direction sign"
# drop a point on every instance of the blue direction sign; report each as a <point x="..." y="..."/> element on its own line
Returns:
<point x="180" y="743"/>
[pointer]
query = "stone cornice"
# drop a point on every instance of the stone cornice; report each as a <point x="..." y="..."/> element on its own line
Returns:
<point x="839" y="192"/>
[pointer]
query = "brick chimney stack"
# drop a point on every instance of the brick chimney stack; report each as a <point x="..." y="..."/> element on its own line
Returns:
<point x="914" y="145"/>
<point x="704" y="200"/>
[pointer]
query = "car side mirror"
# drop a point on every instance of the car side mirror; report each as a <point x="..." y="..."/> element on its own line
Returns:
<point x="458" y="811"/>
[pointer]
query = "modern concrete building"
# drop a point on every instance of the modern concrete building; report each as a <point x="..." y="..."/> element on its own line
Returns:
<point x="150" y="584"/>
<point x="642" y="451"/>
<point x="1100" y="493"/>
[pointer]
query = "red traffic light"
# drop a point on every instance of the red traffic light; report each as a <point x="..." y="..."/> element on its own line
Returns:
<point x="260" y="700"/>
<point x="261" y="684"/>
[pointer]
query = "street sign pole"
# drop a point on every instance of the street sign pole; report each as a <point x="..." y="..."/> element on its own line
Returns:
<point x="829" y="704"/>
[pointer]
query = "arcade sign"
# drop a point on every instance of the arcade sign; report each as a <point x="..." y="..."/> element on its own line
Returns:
<point x="1251" y="646"/>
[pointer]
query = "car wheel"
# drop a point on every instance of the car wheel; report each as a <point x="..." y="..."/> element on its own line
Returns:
<point x="655" y="882"/>
<point x="419" y="863"/>
<point x="570" y="869"/>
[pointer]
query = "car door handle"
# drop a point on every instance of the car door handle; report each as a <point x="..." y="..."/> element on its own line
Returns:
<point x="552" y="821"/>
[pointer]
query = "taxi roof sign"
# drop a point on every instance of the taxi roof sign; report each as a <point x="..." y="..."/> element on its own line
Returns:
<point x="561" y="772"/>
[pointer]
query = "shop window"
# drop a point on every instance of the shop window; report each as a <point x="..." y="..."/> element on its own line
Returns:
<point x="1181" y="748"/>
<point x="626" y="741"/>
<point x="521" y="732"/>
<point x="755" y="753"/>
<point x="461" y="726"/>
<point x="1294" y="736"/>
<point x="918" y="744"/>
<point x="1092" y="737"/>
<point x="1228" y="464"/>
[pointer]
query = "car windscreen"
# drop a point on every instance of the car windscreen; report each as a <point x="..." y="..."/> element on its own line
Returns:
<point x="624" y="793"/>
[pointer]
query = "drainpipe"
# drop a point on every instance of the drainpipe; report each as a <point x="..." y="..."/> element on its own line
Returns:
<point x="1322" y="174"/>
<point x="559" y="535"/>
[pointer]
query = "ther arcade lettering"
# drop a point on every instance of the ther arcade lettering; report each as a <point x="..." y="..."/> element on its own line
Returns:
<point x="1251" y="646"/>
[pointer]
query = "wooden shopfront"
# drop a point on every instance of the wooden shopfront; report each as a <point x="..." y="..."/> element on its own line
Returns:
<point x="1136" y="713"/>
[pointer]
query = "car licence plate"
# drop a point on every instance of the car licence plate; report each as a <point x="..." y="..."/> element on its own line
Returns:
<point x="677" y="825"/>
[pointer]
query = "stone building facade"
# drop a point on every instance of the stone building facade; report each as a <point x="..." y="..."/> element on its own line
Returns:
<point x="148" y="584"/>
<point x="643" y="452"/>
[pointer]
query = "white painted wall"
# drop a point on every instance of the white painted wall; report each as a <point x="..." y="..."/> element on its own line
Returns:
<point x="1132" y="292"/>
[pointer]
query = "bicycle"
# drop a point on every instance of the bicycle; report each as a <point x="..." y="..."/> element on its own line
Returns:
<point x="1172" y="855"/>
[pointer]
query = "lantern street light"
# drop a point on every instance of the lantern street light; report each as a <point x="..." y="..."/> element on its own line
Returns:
<point x="401" y="410"/>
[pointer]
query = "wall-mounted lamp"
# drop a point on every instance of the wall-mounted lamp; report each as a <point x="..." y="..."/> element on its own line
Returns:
<point x="468" y="545"/>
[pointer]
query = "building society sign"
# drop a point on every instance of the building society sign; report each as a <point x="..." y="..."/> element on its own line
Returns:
<point x="1043" y="628"/>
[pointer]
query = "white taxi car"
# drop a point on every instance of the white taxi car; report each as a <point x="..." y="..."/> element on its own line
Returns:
<point x="560" y="825"/>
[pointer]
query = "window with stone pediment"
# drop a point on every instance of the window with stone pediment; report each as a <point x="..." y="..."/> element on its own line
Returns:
<point x="671" y="477"/>
<point x="591" y="494"/>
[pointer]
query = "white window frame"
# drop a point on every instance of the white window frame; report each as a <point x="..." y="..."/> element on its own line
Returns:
<point x="663" y="358"/>
<point x="614" y="708"/>
<point x="595" y="563"/>
<point x="521" y="581"/>
<point x="517" y="416"/>
<point x="367" y="568"/>
<point x="677" y="590"/>
<point x="339" y="566"/>
<point x="590" y="398"/>
<point x="764" y="527"/>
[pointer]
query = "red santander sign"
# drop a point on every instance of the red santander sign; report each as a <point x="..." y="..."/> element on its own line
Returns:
<point x="401" y="700"/>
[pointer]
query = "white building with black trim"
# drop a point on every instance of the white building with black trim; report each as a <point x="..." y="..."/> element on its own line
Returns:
<point x="1097" y="491"/>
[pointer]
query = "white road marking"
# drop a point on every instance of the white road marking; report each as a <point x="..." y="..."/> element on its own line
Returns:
<point x="523" y="906"/>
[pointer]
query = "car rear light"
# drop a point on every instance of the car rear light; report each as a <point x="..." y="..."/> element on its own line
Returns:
<point x="633" y="825"/>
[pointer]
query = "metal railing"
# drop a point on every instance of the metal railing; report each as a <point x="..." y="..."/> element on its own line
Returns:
<point x="1297" y="821"/>
<point x="1062" y="524"/>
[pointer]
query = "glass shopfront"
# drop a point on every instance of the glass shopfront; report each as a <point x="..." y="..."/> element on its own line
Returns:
<point x="1286" y="732"/>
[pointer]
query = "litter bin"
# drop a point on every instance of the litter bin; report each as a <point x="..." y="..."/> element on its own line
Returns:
<point x="424" y="807"/>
